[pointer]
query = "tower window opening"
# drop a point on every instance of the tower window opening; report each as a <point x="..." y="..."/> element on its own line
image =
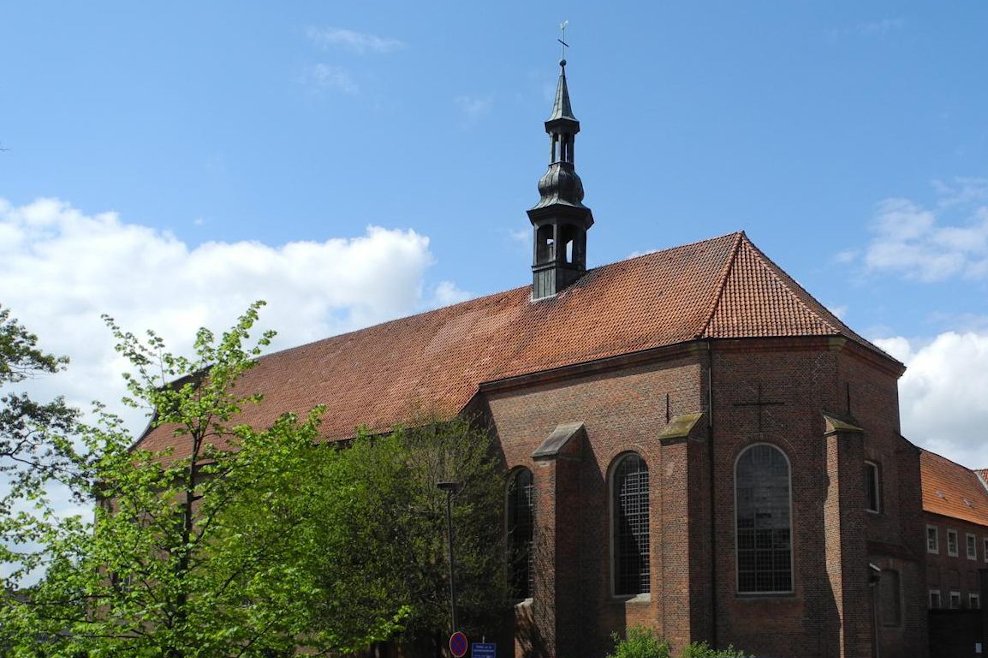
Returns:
<point x="545" y="244"/>
<point x="569" y="238"/>
<point x="553" y="148"/>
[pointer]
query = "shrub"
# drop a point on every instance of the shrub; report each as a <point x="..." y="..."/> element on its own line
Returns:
<point x="703" y="650"/>
<point x="641" y="643"/>
<point x="644" y="643"/>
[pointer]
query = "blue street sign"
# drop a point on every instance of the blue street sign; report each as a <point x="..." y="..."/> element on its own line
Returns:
<point x="484" y="650"/>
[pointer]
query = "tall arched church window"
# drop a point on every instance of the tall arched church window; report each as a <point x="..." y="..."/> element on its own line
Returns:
<point x="764" y="526"/>
<point x="629" y="518"/>
<point x="520" y="524"/>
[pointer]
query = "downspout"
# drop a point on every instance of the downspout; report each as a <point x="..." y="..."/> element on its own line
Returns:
<point x="713" y="506"/>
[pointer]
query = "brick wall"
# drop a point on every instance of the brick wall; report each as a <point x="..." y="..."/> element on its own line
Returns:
<point x="946" y="573"/>
<point x="693" y="570"/>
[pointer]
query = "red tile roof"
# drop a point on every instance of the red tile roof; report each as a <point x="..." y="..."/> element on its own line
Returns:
<point x="433" y="362"/>
<point x="952" y="490"/>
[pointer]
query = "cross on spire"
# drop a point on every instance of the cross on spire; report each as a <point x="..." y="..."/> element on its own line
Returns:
<point x="562" y="40"/>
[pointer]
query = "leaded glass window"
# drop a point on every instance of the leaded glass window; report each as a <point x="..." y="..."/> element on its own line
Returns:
<point x="520" y="524"/>
<point x="629" y="496"/>
<point x="764" y="528"/>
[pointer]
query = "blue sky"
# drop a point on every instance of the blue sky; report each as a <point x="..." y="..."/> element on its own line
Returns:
<point x="353" y="162"/>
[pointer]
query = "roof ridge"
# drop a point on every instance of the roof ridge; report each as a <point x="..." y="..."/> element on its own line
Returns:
<point x="677" y="247"/>
<point x="722" y="284"/>
<point x="946" y="459"/>
<point x="481" y="298"/>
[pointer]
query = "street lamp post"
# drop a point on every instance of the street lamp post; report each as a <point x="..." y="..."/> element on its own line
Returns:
<point x="450" y="488"/>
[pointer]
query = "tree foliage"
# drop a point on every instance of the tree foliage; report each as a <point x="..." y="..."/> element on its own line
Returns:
<point x="243" y="541"/>
<point x="643" y="642"/>
<point x="35" y="443"/>
<point x="397" y="474"/>
<point x="208" y="549"/>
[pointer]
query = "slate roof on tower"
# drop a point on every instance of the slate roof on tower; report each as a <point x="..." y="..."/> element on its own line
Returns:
<point x="435" y="362"/>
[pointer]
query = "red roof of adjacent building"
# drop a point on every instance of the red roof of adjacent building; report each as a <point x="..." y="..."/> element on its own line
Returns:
<point x="434" y="362"/>
<point x="950" y="489"/>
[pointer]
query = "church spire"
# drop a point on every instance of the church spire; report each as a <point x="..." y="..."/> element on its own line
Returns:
<point x="561" y="108"/>
<point x="560" y="219"/>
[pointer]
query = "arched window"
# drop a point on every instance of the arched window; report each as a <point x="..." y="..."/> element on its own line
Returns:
<point x="520" y="524"/>
<point x="629" y="518"/>
<point x="764" y="527"/>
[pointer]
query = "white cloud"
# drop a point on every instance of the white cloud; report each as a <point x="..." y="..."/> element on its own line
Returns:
<point x="447" y="293"/>
<point x="879" y="27"/>
<point x="328" y="76"/>
<point x="944" y="394"/>
<point x="963" y="190"/>
<point x="60" y="269"/>
<point x="474" y="107"/>
<point x="357" y="42"/>
<point x="643" y="252"/>
<point x="847" y="256"/>
<point x="520" y="236"/>
<point x="915" y="242"/>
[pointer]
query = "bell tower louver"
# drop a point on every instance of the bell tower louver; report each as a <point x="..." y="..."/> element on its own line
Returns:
<point x="560" y="220"/>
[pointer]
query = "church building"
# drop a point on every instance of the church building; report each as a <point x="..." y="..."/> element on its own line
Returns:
<point x="691" y="441"/>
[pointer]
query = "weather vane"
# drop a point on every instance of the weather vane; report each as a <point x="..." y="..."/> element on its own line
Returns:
<point x="562" y="40"/>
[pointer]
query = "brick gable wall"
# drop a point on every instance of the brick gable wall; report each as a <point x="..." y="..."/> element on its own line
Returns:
<point x="692" y="498"/>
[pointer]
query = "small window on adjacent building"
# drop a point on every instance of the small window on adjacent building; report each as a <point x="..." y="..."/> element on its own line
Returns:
<point x="933" y="540"/>
<point x="873" y="487"/>
<point x="972" y="546"/>
<point x="974" y="601"/>
<point x="935" y="599"/>
<point x="951" y="542"/>
<point x="955" y="600"/>
<point x="890" y="598"/>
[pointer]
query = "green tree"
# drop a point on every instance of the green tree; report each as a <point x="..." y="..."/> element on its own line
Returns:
<point x="213" y="548"/>
<point x="405" y="521"/>
<point x="35" y="444"/>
